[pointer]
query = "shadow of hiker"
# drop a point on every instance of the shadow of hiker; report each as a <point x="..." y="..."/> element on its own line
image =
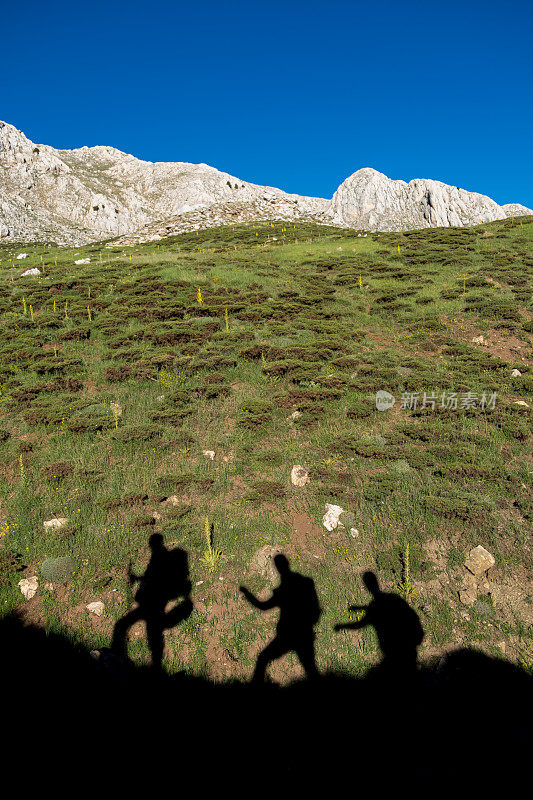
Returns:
<point x="166" y="578"/>
<point x="397" y="626"/>
<point x="299" y="611"/>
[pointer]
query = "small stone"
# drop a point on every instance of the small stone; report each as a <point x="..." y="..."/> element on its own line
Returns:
<point x="521" y="403"/>
<point x="96" y="607"/>
<point x="296" y="414"/>
<point x="49" y="586"/>
<point x="55" y="522"/>
<point x="83" y="261"/>
<point x="156" y="515"/>
<point x="468" y="591"/>
<point x="172" y="500"/>
<point x="479" y="560"/>
<point x="33" y="271"/>
<point x="262" y="562"/>
<point x="299" y="476"/>
<point x="29" y="586"/>
<point x="22" y="255"/>
<point x="478" y="339"/>
<point x="516" y="373"/>
<point x="209" y="454"/>
<point x="354" y="533"/>
<point x="330" y="520"/>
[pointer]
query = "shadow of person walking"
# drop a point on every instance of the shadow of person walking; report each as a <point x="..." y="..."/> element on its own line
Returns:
<point x="397" y="626"/>
<point x="166" y="579"/>
<point x="299" y="611"/>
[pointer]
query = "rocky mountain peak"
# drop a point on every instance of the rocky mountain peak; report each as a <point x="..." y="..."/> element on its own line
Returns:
<point x="90" y="193"/>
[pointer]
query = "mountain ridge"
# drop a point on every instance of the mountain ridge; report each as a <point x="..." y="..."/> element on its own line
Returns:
<point x="95" y="193"/>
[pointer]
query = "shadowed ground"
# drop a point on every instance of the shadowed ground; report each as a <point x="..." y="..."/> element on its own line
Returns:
<point x="75" y="717"/>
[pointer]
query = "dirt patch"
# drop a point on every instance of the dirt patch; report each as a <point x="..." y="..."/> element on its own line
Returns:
<point x="497" y="342"/>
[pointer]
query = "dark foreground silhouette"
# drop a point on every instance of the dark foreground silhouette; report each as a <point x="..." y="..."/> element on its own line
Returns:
<point x="69" y="721"/>
<point x="397" y="626"/>
<point x="73" y="720"/>
<point x="166" y="579"/>
<point x="299" y="611"/>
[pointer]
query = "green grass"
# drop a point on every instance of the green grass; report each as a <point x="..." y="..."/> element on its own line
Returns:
<point x="319" y="320"/>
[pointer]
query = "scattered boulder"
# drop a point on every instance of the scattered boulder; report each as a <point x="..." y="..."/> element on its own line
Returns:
<point x="477" y="563"/>
<point x="96" y="607"/>
<point x="55" y="522"/>
<point x="29" y="586"/>
<point x="478" y="340"/>
<point x="58" y="570"/>
<point x="468" y="591"/>
<point x="22" y="255"/>
<point x="209" y="454"/>
<point x="83" y="261"/>
<point x="299" y="476"/>
<point x="330" y="520"/>
<point x="479" y="560"/>
<point x="32" y="271"/>
<point x="516" y="373"/>
<point x="262" y="562"/>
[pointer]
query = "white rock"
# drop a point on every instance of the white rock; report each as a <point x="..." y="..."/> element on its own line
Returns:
<point x="171" y="500"/>
<point x="521" y="403"/>
<point x="299" y="476"/>
<point x="330" y="519"/>
<point x="29" y="586"/>
<point x="516" y="373"/>
<point x="32" y="271"/>
<point x="22" y="255"/>
<point x="478" y="339"/>
<point x="101" y="192"/>
<point x="55" y="522"/>
<point x="370" y="200"/>
<point x="209" y="454"/>
<point x="83" y="261"/>
<point x="96" y="607"/>
<point x="479" y="560"/>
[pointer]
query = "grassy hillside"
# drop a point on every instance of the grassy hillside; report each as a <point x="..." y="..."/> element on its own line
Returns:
<point x="116" y="375"/>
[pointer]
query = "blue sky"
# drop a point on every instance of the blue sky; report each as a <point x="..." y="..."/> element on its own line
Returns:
<point x="291" y="94"/>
